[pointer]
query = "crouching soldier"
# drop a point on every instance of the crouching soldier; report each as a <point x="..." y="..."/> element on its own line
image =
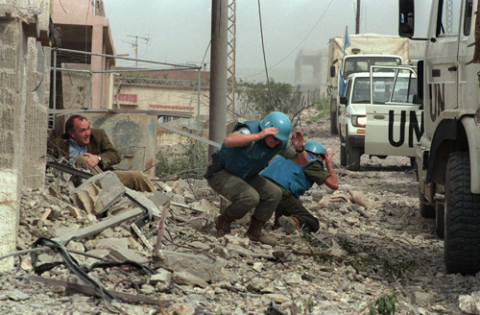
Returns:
<point x="294" y="180"/>
<point x="233" y="172"/>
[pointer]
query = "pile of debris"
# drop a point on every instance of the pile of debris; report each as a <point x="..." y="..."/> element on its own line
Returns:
<point x="157" y="253"/>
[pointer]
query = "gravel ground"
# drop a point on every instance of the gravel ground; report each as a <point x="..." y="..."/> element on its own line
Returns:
<point x="372" y="245"/>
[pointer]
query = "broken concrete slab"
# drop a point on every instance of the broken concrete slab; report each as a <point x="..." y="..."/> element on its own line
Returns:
<point x="120" y="254"/>
<point x="204" y="267"/>
<point x="143" y="202"/>
<point x="109" y="242"/>
<point x="185" y="278"/>
<point x="99" y="227"/>
<point x="162" y="276"/>
<point x="159" y="198"/>
<point x="98" y="193"/>
<point x="245" y="252"/>
<point x="237" y="241"/>
<point x="17" y="295"/>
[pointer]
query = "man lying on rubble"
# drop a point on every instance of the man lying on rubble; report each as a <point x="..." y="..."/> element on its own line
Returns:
<point x="82" y="144"/>
<point x="233" y="171"/>
<point x="294" y="180"/>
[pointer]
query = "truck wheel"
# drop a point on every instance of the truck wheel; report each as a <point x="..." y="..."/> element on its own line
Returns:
<point x="426" y="210"/>
<point x="440" y="220"/>
<point x="462" y="219"/>
<point x="353" y="158"/>
<point x="343" y="155"/>
<point x="333" y="117"/>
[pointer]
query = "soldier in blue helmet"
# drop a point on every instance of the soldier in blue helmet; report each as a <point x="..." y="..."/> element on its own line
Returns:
<point x="233" y="171"/>
<point x="294" y="180"/>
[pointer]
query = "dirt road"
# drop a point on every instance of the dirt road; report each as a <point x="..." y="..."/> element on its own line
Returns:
<point x="403" y="243"/>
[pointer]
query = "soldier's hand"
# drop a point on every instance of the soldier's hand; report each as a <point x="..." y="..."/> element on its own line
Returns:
<point x="268" y="131"/>
<point x="328" y="158"/>
<point x="297" y="140"/>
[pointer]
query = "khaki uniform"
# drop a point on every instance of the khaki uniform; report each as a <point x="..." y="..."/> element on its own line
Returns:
<point x="291" y="206"/>
<point x="100" y="145"/>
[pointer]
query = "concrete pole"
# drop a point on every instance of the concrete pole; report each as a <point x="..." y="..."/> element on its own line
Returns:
<point x="357" y="19"/>
<point x="218" y="74"/>
<point x="198" y="107"/>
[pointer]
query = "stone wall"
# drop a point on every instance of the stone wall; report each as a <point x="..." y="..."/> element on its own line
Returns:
<point x="36" y="114"/>
<point x="22" y="113"/>
<point x="13" y="61"/>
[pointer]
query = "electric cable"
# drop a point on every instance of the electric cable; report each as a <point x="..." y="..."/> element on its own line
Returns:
<point x="264" y="57"/>
<point x="319" y="20"/>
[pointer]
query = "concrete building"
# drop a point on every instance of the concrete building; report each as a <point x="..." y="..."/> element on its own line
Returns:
<point x="166" y="91"/>
<point x="24" y="83"/>
<point x="84" y="27"/>
<point x="311" y="70"/>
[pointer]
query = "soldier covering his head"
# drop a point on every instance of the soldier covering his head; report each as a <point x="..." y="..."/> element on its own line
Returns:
<point x="235" y="167"/>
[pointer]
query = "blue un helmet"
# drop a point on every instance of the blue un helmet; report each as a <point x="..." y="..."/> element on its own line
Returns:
<point x="280" y="121"/>
<point x="315" y="147"/>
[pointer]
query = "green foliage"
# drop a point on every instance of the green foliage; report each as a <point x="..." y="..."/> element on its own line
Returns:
<point x="396" y="269"/>
<point x="189" y="161"/>
<point x="310" y="240"/>
<point x="322" y="104"/>
<point x="385" y="305"/>
<point x="323" y="108"/>
<point x="135" y="75"/>
<point x="348" y="246"/>
<point x="283" y="97"/>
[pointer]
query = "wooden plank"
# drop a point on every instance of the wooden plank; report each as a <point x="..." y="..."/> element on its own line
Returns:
<point x="46" y="214"/>
<point x="140" y="235"/>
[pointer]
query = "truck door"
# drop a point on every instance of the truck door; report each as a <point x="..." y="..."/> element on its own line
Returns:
<point x="394" y="124"/>
<point x="441" y="66"/>
<point x="341" y="110"/>
<point x="467" y="80"/>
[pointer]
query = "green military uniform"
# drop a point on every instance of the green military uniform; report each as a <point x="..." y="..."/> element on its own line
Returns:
<point x="291" y="206"/>
<point x="100" y="145"/>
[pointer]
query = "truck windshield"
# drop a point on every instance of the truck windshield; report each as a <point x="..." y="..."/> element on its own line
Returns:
<point x="405" y="88"/>
<point x="362" y="64"/>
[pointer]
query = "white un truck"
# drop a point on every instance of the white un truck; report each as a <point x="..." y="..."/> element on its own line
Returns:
<point x="448" y="153"/>
<point x="364" y="51"/>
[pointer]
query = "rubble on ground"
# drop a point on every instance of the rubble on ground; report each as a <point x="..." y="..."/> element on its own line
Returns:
<point x="372" y="243"/>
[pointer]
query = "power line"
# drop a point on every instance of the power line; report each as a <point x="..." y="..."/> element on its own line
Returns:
<point x="135" y="45"/>
<point x="316" y="24"/>
<point x="264" y="57"/>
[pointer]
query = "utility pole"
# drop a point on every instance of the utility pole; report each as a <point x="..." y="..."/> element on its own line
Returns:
<point x="232" y="33"/>
<point x="218" y="74"/>
<point x="135" y="46"/>
<point x="357" y="20"/>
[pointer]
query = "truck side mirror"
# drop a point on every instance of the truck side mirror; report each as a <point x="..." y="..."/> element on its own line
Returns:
<point x="406" y="23"/>
<point x="343" y="100"/>
<point x="332" y="71"/>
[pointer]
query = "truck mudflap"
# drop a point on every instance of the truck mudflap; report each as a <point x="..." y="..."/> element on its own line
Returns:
<point x="473" y="136"/>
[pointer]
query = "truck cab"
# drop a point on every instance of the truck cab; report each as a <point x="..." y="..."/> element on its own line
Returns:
<point x="379" y="115"/>
<point x="448" y="153"/>
<point x="362" y="62"/>
<point x="365" y="50"/>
